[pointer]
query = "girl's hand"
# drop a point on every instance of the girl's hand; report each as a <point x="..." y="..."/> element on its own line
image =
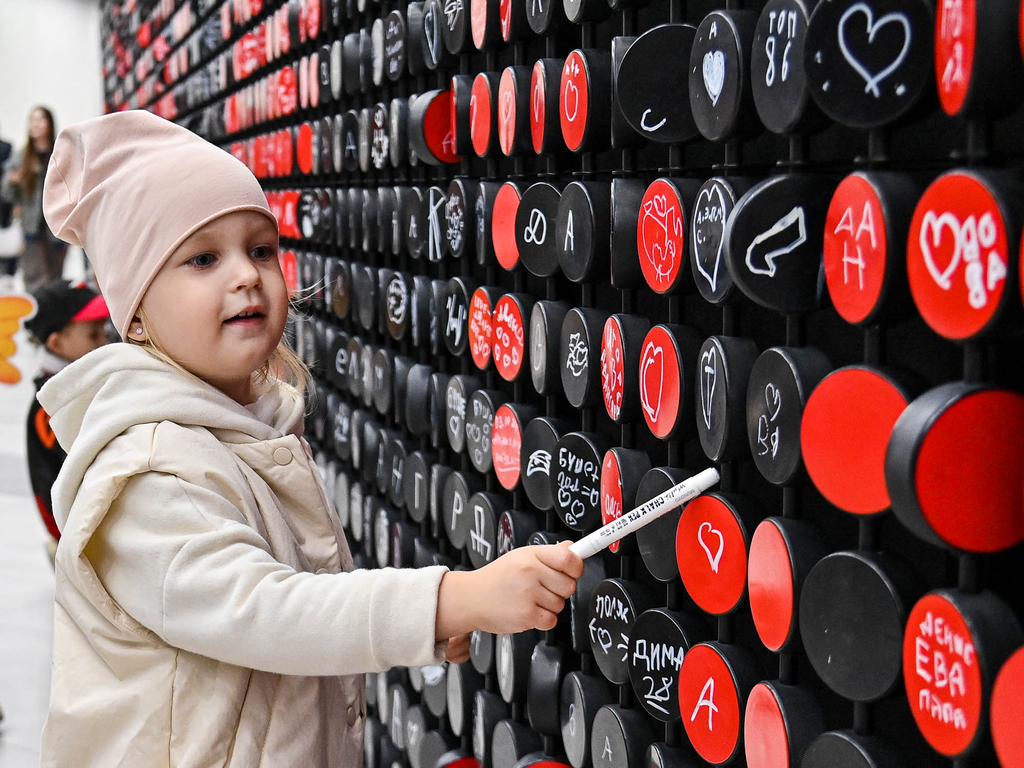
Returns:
<point x="523" y="589"/>
<point x="458" y="649"/>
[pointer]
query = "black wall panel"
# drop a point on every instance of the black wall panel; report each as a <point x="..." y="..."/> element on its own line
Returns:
<point x="219" y="69"/>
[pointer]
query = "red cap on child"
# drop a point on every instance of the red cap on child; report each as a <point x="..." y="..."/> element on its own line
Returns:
<point x="96" y="309"/>
<point x="59" y="303"/>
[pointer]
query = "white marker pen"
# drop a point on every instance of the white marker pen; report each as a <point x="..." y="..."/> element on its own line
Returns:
<point x="646" y="513"/>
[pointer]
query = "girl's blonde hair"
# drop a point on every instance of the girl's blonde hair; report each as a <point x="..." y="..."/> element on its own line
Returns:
<point x="282" y="366"/>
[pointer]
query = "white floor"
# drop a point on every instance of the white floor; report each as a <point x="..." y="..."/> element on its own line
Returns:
<point x="26" y="588"/>
<point x="26" y="578"/>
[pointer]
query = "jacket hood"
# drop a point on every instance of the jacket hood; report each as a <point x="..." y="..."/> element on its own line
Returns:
<point x="119" y="386"/>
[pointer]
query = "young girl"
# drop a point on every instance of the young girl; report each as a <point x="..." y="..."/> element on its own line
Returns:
<point x="207" y="613"/>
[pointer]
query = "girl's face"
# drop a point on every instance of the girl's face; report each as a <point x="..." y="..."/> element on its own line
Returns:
<point x="219" y="304"/>
<point x="38" y="125"/>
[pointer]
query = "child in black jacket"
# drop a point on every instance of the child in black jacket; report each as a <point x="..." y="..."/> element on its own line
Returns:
<point x="70" y="321"/>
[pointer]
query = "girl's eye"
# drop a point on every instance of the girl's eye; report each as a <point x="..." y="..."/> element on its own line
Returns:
<point x="262" y="252"/>
<point x="202" y="260"/>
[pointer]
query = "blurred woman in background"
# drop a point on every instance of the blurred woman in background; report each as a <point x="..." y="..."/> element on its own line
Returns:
<point x="24" y="172"/>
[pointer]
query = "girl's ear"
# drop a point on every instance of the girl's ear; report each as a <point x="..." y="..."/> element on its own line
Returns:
<point x="136" y="331"/>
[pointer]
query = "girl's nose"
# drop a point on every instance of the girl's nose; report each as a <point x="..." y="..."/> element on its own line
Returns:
<point x="246" y="274"/>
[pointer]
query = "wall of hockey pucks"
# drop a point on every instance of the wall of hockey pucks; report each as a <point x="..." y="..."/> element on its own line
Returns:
<point x="557" y="255"/>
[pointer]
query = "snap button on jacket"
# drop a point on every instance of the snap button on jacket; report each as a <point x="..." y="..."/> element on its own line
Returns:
<point x="207" y="612"/>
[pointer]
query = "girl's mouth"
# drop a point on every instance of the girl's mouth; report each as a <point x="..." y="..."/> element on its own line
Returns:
<point x="245" y="318"/>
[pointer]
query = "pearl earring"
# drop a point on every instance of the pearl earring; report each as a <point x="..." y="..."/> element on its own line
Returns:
<point x="138" y="330"/>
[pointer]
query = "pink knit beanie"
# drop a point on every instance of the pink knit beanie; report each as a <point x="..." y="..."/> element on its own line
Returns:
<point x="129" y="187"/>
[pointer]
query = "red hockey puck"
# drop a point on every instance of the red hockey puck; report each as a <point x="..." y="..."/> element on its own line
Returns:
<point x="844" y="434"/>
<point x="953" y="467"/>
<point x="711" y="550"/>
<point x="509" y="323"/>
<point x="953" y="646"/>
<point x="958" y="256"/>
<point x="503" y="225"/>
<point x="714" y="683"/>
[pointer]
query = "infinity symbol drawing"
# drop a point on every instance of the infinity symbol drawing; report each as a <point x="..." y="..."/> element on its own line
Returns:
<point x="536" y="231"/>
